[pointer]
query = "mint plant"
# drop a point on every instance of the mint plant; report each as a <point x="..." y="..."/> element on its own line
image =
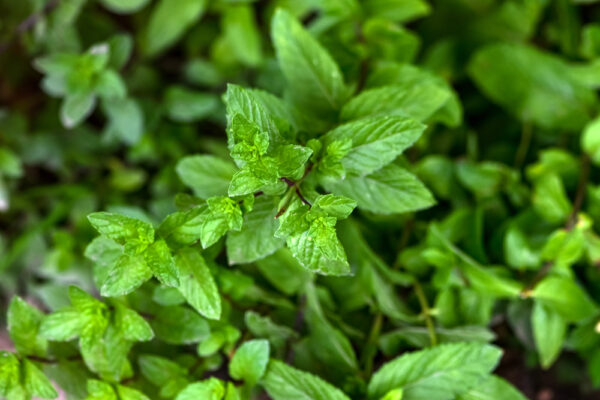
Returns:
<point x="234" y="200"/>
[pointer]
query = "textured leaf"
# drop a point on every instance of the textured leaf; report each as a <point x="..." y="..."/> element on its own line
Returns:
<point x="197" y="284"/>
<point x="439" y="373"/>
<point x="387" y="191"/>
<point x="158" y="257"/>
<point x="493" y="388"/>
<point x="23" y="326"/>
<point x="127" y="393"/>
<point x="314" y="80"/>
<point x="283" y="382"/>
<point x="36" y="382"/>
<point x="419" y="101"/>
<point x="121" y="228"/>
<point x="126" y="275"/>
<point x="376" y="141"/>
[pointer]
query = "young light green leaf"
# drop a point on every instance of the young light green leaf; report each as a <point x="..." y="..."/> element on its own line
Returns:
<point x="206" y="175"/>
<point x="158" y="257"/>
<point x="314" y="80"/>
<point x="376" y="141"/>
<point x="127" y="393"/>
<point x="197" y="284"/>
<point x="126" y="119"/>
<point x="36" y="382"/>
<point x="98" y="390"/>
<point x="23" y="326"/>
<point x="283" y="382"/>
<point x="126" y="275"/>
<point x="439" y="373"/>
<point x="9" y="372"/>
<point x="121" y="228"/>
<point x="132" y="325"/>
<point x="249" y="362"/>
<point x="387" y="191"/>
<point x="210" y="389"/>
<point x="549" y="331"/>
<point x="62" y="325"/>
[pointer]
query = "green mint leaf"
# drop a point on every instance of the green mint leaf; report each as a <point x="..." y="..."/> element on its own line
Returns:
<point x="169" y="21"/>
<point x="160" y="371"/>
<point x="376" y="141"/>
<point x="257" y="108"/>
<point x="98" y="390"/>
<point x="167" y="296"/>
<point x="284" y="272"/>
<point x="132" y="325"/>
<point x="312" y="239"/>
<point x="242" y="34"/>
<point x="127" y="274"/>
<point x="264" y="327"/>
<point x="36" y="382"/>
<point x="127" y="393"/>
<point x="197" y="284"/>
<point x="590" y="140"/>
<point x="23" y="322"/>
<point x="256" y="239"/>
<point x="387" y="191"/>
<point x="339" y="207"/>
<point x="315" y="81"/>
<point x="407" y="76"/>
<point x="503" y="72"/>
<point x="210" y="389"/>
<point x="250" y="142"/>
<point x="250" y="360"/>
<point x="442" y="372"/>
<point x="397" y="10"/>
<point x="291" y="160"/>
<point x="206" y="175"/>
<point x="283" y="382"/>
<point x="493" y="388"/>
<point x="419" y="101"/>
<point x="110" y="87"/>
<point x="563" y="295"/>
<point x="121" y="228"/>
<point x="124" y="6"/>
<point x="9" y="372"/>
<point x="184" y="105"/>
<point x="62" y="325"/>
<point x="549" y="331"/>
<point x="328" y="344"/>
<point x="159" y="259"/>
<point x="76" y="108"/>
<point x="223" y="215"/>
<point x="179" y="325"/>
<point x="126" y="120"/>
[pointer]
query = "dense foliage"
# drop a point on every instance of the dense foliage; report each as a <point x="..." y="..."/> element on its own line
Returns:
<point x="299" y="199"/>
